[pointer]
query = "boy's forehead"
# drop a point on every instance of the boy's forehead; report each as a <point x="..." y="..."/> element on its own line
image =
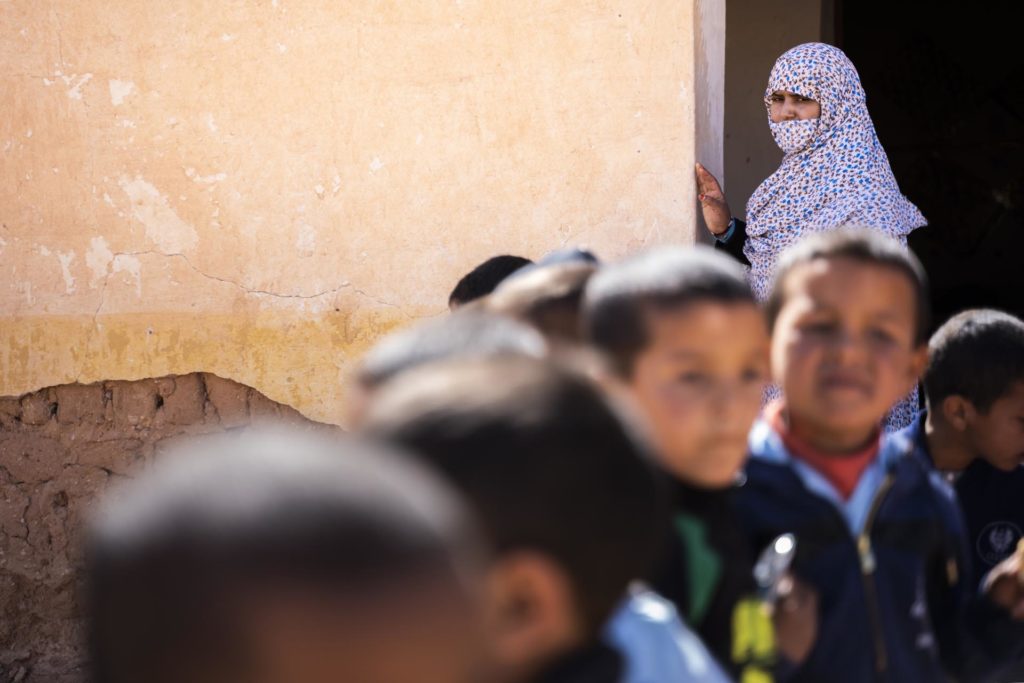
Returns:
<point x="865" y="284"/>
<point x="1014" y="394"/>
<point x="697" y="312"/>
<point x="697" y="323"/>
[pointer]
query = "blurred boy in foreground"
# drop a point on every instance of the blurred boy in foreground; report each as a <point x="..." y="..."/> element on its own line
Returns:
<point x="276" y="558"/>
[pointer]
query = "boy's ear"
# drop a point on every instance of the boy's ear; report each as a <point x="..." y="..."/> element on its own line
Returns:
<point x="918" y="364"/>
<point x="957" y="411"/>
<point x="531" y="611"/>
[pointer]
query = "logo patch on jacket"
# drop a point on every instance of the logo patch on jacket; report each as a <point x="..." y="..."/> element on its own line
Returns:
<point x="997" y="541"/>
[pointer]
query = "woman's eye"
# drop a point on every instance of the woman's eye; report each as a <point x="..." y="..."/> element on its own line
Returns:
<point x="691" y="378"/>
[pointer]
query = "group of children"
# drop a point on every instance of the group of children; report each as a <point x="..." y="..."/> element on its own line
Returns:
<point x="573" y="478"/>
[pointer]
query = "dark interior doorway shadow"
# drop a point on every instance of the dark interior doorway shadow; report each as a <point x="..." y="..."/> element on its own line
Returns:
<point x="946" y="91"/>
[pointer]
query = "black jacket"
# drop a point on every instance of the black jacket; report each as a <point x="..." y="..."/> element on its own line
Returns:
<point x="596" y="663"/>
<point x="737" y="240"/>
<point x="708" y="572"/>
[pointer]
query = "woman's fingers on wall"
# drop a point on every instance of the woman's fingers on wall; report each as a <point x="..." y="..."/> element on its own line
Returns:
<point x="707" y="184"/>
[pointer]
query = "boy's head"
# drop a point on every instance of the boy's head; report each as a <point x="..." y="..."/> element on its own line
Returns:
<point x="547" y="297"/>
<point x="561" y="489"/>
<point x="283" y="558"/>
<point x="687" y="338"/>
<point x="483" y="279"/>
<point x="464" y="334"/>
<point x="975" y="383"/>
<point x="849" y="320"/>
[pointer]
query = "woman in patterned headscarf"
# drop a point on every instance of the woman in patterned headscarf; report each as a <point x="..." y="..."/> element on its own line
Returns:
<point x="834" y="172"/>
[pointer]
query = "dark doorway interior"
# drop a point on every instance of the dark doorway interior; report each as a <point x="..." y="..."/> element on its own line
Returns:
<point x="946" y="91"/>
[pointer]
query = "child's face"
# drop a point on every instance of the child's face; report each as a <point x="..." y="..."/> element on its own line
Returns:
<point x="998" y="434"/>
<point x="843" y="348"/>
<point x="699" y="382"/>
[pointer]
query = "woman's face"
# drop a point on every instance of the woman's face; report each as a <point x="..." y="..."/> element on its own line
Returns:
<point x="787" y="106"/>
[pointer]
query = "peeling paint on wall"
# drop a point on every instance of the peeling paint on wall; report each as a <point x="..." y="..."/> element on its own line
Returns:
<point x="119" y="91"/>
<point x="76" y="82"/>
<point x="163" y="226"/>
<point x="98" y="259"/>
<point x="65" y="269"/>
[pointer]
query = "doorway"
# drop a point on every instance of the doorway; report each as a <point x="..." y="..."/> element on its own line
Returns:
<point x="945" y="88"/>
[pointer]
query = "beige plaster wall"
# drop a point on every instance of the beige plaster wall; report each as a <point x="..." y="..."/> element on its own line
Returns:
<point x="710" y="114"/>
<point x="259" y="188"/>
<point x="757" y="33"/>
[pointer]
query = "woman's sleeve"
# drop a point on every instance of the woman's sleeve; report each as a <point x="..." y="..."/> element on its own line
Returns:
<point x="733" y="240"/>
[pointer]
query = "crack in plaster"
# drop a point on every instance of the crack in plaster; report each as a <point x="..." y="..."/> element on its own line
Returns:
<point x="248" y="290"/>
<point x="375" y="299"/>
<point x="60" y="34"/>
<point x="239" y="285"/>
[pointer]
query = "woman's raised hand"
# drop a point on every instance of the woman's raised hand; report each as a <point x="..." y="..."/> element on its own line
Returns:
<point x="712" y="202"/>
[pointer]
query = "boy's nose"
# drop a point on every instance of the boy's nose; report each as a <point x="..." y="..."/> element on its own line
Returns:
<point x="728" y="402"/>
<point x="847" y="348"/>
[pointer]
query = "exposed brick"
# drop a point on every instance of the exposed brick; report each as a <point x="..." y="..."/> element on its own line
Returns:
<point x="10" y="412"/>
<point x="56" y="518"/>
<point x="123" y="456"/>
<point x="134" y="403"/>
<point x="37" y="408"/>
<point x="230" y="399"/>
<point x="169" y="444"/>
<point x="290" y="415"/>
<point x="77" y="403"/>
<point x="53" y="470"/>
<point x="30" y="458"/>
<point x="165" y="386"/>
<point x="185" y="404"/>
<point x="262" y="409"/>
<point x="13" y="503"/>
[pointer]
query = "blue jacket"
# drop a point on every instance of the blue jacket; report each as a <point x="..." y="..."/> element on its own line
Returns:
<point x="888" y="563"/>
<point x="657" y="646"/>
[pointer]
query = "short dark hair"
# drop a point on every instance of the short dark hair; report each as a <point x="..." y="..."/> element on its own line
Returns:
<point x="858" y="244"/>
<point x="546" y="462"/>
<point x="977" y="354"/>
<point x="483" y="279"/>
<point x="619" y="298"/>
<point x="548" y="297"/>
<point x="171" y="558"/>
<point x="470" y="334"/>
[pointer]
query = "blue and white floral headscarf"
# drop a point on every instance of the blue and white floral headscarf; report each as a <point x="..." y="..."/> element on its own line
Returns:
<point x="834" y="171"/>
